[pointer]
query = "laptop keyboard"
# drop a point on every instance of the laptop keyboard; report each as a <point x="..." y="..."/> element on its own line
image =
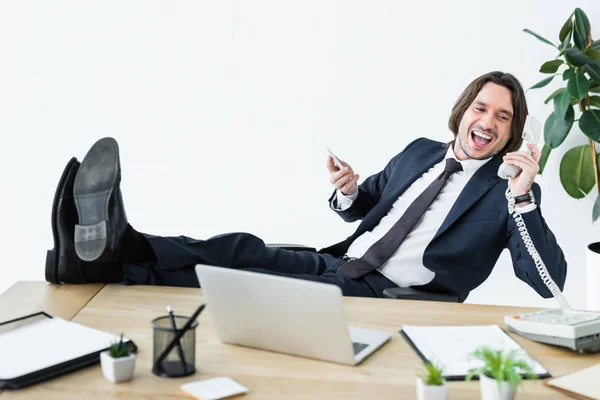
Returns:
<point x="358" y="347"/>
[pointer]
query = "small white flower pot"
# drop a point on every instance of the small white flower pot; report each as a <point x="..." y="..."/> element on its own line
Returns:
<point x="491" y="390"/>
<point x="429" y="392"/>
<point x="117" y="369"/>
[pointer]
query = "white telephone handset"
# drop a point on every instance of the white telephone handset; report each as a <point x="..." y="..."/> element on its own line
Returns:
<point x="577" y="330"/>
<point x="531" y="134"/>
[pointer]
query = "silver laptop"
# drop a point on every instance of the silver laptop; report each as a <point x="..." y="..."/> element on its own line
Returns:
<point x="285" y="315"/>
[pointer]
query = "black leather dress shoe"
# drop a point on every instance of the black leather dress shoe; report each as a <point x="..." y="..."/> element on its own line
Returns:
<point x="102" y="218"/>
<point x="62" y="263"/>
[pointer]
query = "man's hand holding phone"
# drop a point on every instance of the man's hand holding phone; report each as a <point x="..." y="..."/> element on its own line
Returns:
<point x="343" y="178"/>
<point x="528" y="162"/>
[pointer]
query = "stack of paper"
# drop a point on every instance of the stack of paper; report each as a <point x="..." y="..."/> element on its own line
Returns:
<point x="452" y="347"/>
<point x="46" y="343"/>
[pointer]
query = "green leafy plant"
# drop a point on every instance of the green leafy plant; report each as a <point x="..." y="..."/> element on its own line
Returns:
<point x="578" y="63"/>
<point x="501" y="366"/>
<point x="433" y="375"/>
<point x="119" y="349"/>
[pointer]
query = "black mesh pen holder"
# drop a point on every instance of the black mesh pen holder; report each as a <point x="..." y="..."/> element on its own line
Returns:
<point x="180" y="361"/>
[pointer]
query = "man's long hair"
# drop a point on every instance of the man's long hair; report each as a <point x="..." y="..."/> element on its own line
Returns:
<point x="519" y="104"/>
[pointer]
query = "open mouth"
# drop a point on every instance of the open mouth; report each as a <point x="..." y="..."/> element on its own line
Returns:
<point x="480" y="139"/>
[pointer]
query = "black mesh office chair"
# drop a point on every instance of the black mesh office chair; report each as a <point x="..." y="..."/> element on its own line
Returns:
<point x="392" y="293"/>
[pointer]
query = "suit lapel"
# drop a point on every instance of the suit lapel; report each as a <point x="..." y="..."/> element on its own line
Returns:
<point x="482" y="181"/>
<point x="416" y="168"/>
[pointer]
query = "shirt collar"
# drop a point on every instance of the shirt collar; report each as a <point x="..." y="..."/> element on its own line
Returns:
<point x="469" y="166"/>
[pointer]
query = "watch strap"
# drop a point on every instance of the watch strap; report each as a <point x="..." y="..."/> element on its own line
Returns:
<point x="523" y="198"/>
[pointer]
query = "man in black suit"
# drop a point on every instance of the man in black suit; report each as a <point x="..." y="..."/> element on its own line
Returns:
<point x="435" y="218"/>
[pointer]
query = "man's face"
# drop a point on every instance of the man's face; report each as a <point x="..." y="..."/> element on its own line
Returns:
<point x="485" y="126"/>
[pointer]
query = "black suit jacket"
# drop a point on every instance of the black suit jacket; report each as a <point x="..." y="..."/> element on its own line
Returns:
<point x="466" y="247"/>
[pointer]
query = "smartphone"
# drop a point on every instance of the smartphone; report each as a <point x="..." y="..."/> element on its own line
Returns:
<point x="336" y="160"/>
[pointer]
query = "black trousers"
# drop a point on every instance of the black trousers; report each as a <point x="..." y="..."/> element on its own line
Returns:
<point x="176" y="257"/>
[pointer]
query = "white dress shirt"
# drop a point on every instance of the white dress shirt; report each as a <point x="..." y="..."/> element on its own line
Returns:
<point x="405" y="267"/>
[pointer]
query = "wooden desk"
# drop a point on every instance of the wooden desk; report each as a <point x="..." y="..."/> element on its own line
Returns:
<point x="65" y="301"/>
<point x="389" y="373"/>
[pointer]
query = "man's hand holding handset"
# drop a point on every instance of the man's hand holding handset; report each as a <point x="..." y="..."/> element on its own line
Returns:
<point x="529" y="164"/>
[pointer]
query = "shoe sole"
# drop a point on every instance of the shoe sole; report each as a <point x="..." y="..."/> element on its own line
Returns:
<point x="93" y="187"/>
<point x="52" y="255"/>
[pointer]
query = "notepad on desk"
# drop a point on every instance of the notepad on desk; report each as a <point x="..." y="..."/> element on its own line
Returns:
<point x="581" y="384"/>
<point x="452" y="347"/>
<point x="38" y="347"/>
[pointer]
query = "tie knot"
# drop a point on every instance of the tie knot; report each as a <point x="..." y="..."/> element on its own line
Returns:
<point x="452" y="166"/>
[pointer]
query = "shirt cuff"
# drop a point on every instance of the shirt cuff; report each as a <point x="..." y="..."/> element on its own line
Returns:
<point x="526" y="209"/>
<point x="341" y="202"/>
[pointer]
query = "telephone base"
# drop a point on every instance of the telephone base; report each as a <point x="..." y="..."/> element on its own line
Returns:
<point x="587" y="344"/>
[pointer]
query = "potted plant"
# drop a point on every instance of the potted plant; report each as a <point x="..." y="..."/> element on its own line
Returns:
<point x="578" y="60"/>
<point x="578" y="63"/>
<point x="500" y="374"/>
<point x="432" y="386"/>
<point x="118" y="362"/>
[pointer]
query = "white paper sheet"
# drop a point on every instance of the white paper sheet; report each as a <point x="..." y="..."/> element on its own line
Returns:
<point x="45" y="343"/>
<point x="214" y="389"/>
<point x="452" y="346"/>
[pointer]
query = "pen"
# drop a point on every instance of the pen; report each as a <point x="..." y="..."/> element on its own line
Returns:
<point x="178" y="343"/>
<point x="178" y="336"/>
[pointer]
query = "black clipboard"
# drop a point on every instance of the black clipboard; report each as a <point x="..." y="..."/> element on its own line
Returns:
<point x="455" y="377"/>
<point x="55" y="370"/>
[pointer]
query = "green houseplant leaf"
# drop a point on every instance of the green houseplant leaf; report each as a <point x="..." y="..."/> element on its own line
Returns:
<point x="554" y="94"/>
<point x="433" y="375"/>
<point x="550" y="67"/>
<point x="119" y="349"/>
<point x="593" y="54"/>
<point x="589" y="123"/>
<point x="543" y="82"/>
<point x="568" y="74"/>
<point x="582" y="29"/>
<point x="566" y="29"/>
<point x="501" y="365"/>
<point x="578" y="86"/>
<point x="595" y="101"/>
<point x="540" y="38"/>
<point x="557" y="129"/>
<point x="576" y="57"/>
<point x="596" y="209"/>
<point x="593" y="70"/>
<point x="577" y="172"/>
<point x="561" y="104"/>
<point x="544" y="158"/>
<point x="566" y="43"/>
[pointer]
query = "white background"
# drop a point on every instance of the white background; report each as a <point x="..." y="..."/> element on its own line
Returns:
<point x="216" y="106"/>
